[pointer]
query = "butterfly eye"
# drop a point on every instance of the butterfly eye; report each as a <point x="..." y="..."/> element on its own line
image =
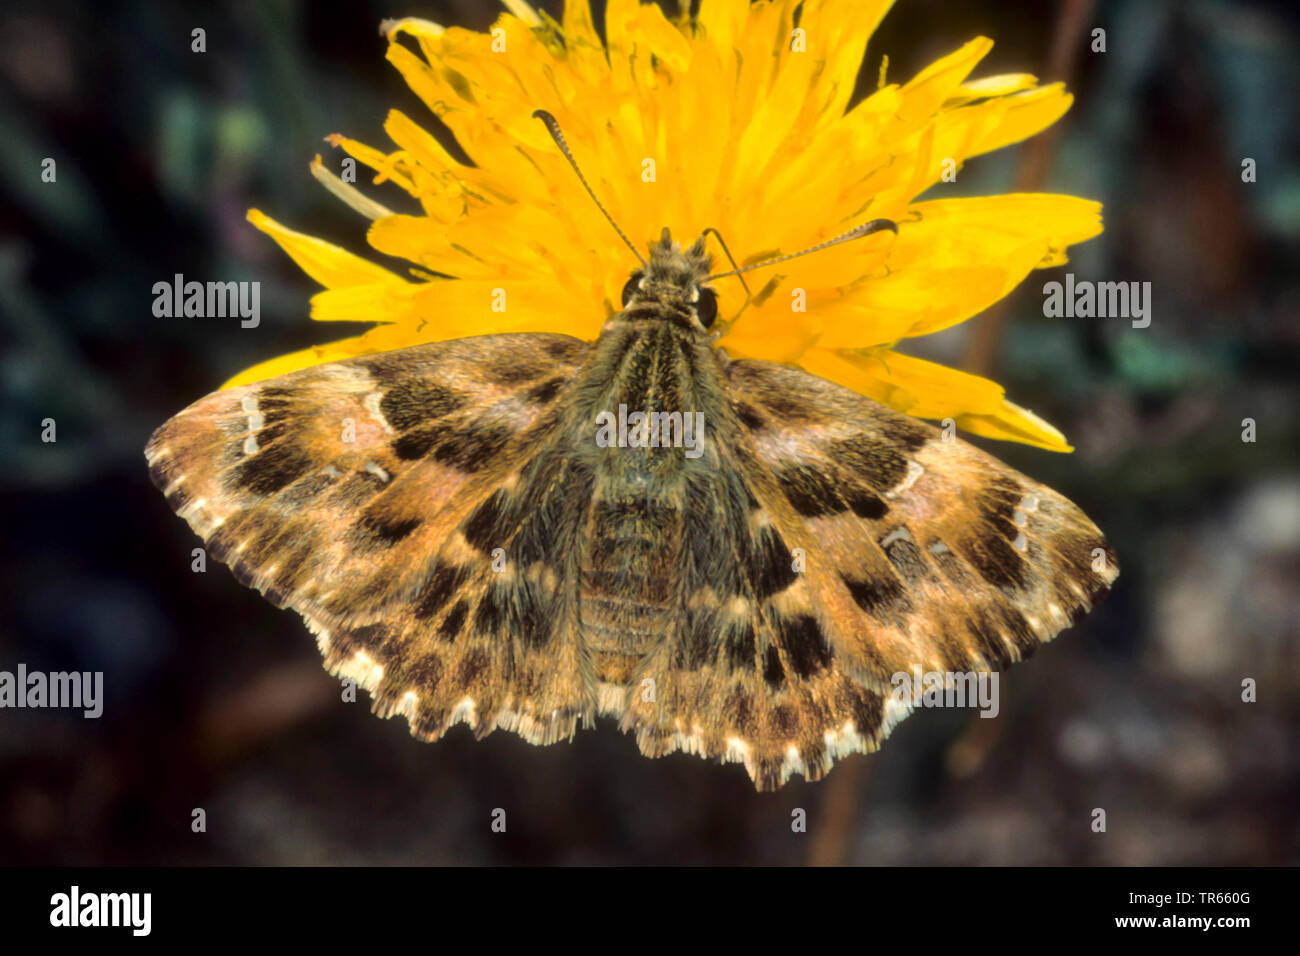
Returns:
<point x="633" y="286"/>
<point x="706" y="309"/>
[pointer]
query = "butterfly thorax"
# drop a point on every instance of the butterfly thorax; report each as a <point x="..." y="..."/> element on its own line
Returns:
<point x="642" y="422"/>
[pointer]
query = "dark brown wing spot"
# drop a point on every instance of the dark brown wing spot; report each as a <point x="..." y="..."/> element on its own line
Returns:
<point x="411" y="403"/>
<point x="772" y="568"/>
<point x="773" y="672"/>
<point x="533" y="623"/>
<point x="447" y="579"/>
<point x="564" y="349"/>
<point x="999" y="498"/>
<point x="784" y="722"/>
<point x="384" y="530"/>
<point x="697" y="648"/>
<point x="885" y="599"/>
<point x="273" y="430"/>
<point x="490" y="524"/>
<point x="905" y="557"/>
<point x="792" y="408"/>
<point x="741" y="709"/>
<point x="471" y="449"/>
<point x="865" y="504"/>
<point x="416" y="444"/>
<point x="907" y="433"/>
<point x="422" y="671"/>
<point x="272" y="469"/>
<point x="868" y="712"/>
<point x="451" y="626"/>
<point x="996" y="561"/>
<point x="370" y="636"/>
<point x="472" y="666"/>
<point x="740" y="648"/>
<point x="467" y="449"/>
<point x="804" y="644"/>
<point x="491" y="610"/>
<point x="810" y="491"/>
<point x="953" y="567"/>
<point x="749" y="416"/>
<point x="357" y="489"/>
<point x="987" y="639"/>
<point x="545" y="392"/>
<point x="879" y="463"/>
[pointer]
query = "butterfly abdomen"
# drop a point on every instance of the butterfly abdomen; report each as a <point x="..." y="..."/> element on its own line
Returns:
<point x="628" y="597"/>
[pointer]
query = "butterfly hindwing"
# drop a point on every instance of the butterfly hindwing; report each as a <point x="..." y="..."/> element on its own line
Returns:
<point x="867" y="546"/>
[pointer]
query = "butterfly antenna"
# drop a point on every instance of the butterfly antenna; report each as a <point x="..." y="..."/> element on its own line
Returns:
<point x="558" y="136"/>
<point x="731" y="259"/>
<point x="866" y="229"/>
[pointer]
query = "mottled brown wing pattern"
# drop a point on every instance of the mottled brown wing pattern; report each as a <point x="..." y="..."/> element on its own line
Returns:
<point x="347" y="492"/>
<point x="444" y="520"/>
<point x="918" y="552"/>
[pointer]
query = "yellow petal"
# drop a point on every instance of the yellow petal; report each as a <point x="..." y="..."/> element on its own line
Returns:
<point x="523" y="11"/>
<point x="923" y="95"/>
<point x="909" y="384"/>
<point x="999" y="85"/>
<point x="381" y="302"/>
<point x="325" y="262"/>
<point x="1022" y="115"/>
<point x="1013" y="423"/>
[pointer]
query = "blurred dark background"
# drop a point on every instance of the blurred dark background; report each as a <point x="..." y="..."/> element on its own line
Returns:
<point x="214" y="699"/>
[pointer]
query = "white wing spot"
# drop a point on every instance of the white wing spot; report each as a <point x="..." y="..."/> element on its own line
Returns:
<point x="464" y="711"/>
<point x="363" y="669"/>
<point x="914" y="471"/>
<point x="372" y="406"/>
<point x="406" y="706"/>
<point x="737" y="750"/>
<point x="255" y="417"/>
<point x="898" y="534"/>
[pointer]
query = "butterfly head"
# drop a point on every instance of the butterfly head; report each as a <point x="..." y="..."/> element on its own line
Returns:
<point x="675" y="278"/>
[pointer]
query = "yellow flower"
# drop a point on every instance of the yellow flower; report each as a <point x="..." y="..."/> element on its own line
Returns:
<point x="735" y="119"/>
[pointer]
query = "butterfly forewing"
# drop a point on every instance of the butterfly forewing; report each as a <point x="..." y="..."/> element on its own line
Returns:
<point x="341" y="491"/>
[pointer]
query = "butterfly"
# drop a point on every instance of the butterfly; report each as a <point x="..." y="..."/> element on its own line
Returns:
<point x="472" y="541"/>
